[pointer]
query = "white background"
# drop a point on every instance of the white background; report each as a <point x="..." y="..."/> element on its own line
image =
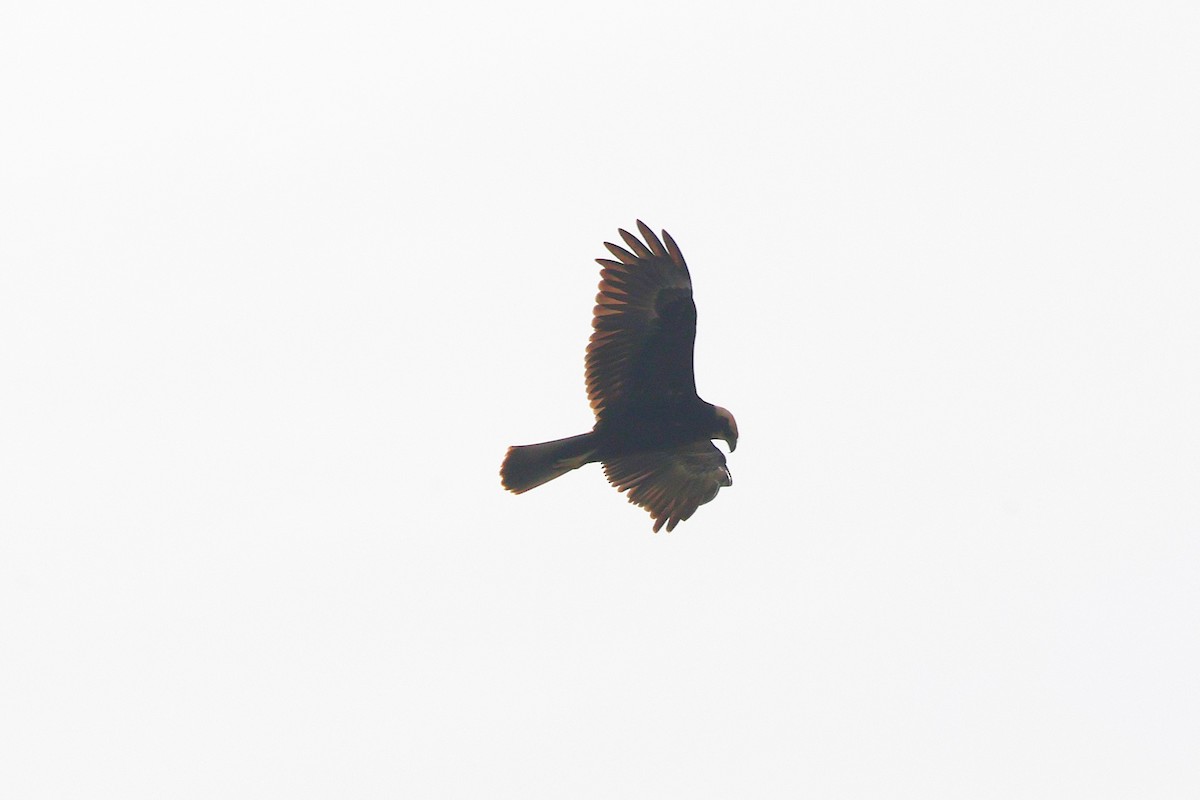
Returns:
<point x="279" y="282"/>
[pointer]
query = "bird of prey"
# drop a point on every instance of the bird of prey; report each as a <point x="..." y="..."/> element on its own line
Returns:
<point x="653" y="433"/>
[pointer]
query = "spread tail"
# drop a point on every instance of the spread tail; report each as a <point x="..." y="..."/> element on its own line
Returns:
<point x="531" y="465"/>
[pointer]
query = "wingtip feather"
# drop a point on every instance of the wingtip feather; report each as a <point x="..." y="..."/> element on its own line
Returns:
<point x="635" y="244"/>
<point x="656" y="247"/>
<point x="673" y="249"/>
<point x="621" y="253"/>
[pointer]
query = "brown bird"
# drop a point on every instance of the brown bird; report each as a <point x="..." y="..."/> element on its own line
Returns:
<point x="653" y="433"/>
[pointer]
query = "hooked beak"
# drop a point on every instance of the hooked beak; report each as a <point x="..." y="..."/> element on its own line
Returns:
<point x="728" y="428"/>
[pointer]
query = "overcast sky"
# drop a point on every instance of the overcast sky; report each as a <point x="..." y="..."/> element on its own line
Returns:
<point x="280" y="282"/>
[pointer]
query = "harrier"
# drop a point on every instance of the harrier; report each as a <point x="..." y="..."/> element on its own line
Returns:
<point x="653" y="433"/>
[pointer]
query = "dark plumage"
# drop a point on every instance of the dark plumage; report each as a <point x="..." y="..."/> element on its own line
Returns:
<point x="653" y="433"/>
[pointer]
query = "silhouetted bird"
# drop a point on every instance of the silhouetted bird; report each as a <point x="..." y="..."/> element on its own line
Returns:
<point x="653" y="432"/>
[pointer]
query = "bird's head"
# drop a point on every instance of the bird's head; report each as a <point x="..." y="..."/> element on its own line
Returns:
<point x="726" y="428"/>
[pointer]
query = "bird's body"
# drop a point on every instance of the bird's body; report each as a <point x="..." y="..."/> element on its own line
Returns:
<point x="655" y="427"/>
<point x="653" y="433"/>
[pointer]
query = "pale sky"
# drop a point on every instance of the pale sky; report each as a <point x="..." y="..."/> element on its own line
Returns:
<point x="280" y="282"/>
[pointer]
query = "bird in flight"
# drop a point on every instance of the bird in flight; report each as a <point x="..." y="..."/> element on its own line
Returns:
<point x="653" y="433"/>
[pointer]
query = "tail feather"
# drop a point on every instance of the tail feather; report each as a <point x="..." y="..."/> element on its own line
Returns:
<point x="528" y="466"/>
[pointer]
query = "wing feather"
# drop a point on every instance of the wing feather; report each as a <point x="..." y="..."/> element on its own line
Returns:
<point x="635" y="244"/>
<point x="671" y="484"/>
<point x="621" y="253"/>
<point x="656" y="247"/>
<point x="644" y="325"/>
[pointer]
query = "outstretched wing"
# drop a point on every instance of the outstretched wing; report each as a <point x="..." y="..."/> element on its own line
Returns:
<point x="644" y="325"/>
<point x="671" y="484"/>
